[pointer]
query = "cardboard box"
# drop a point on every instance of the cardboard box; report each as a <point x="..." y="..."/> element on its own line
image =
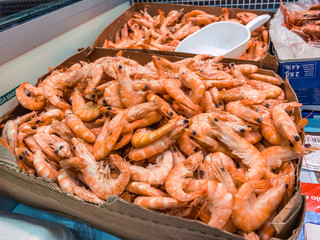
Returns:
<point x="304" y="75"/>
<point x="116" y="216"/>
<point x="267" y="62"/>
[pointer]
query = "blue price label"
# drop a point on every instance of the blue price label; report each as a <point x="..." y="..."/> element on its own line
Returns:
<point x="300" y="70"/>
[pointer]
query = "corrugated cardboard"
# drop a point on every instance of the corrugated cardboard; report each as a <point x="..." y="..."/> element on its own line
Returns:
<point x="268" y="62"/>
<point x="116" y="216"/>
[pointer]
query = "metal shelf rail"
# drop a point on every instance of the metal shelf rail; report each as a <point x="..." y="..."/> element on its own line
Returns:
<point x="267" y="5"/>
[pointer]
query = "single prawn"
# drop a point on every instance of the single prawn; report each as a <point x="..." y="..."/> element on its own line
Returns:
<point x="193" y="82"/>
<point x="250" y="212"/>
<point x="285" y="125"/>
<point x="158" y="203"/>
<point x="144" y="137"/>
<point x="129" y="97"/>
<point x="98" y="178"/>
<point x="43" y="168"/>
<point x="78" y="127"/>
<point x="248" y="154"/>
<point x="155" y="174"/>
<point x="165" y="107"/>
<point x="244" y="112"/>
<point x="108" y="136"/>
<point x="265" y="78"/>
<point x="9" y="134"/>
<point x="220" y="203"/>
<point x="175" y="180"/>
<point x="85" y="111"/>
<point x="68" y="184"/>
<point x="214" y="168"/>
<point x="176" y="93"/>
<point x="31" y="103"/>
<point x="137" y="154"/>
<point x="144" y="189"/>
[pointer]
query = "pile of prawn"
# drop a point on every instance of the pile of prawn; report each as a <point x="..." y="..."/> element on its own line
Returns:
<point x="164" y="33"/>
<point x="304" y="23"/>
<point x="192" y="138"/>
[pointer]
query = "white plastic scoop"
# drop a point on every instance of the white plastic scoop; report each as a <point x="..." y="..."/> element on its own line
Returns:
<point x="223" y="38"/>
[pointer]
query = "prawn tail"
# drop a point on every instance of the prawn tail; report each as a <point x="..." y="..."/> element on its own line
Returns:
<point x="4" y="143"/>
<point x="261" y="185"/>
<point x="237" y="175"/>
<point x="73" y="162"/>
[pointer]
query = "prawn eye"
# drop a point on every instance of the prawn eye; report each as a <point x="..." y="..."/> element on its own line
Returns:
<point x="33" y="127"/>
<point x="259" y="120"/>
<point x="56" y="152"/>
<point x="174" y="150"/>
<point x="104" y="101"/>
<point x="186" y="120"/>
<point x="93" y="96"/>
<point x="73" y="148"/>
<point x="287" y="185"/>
<point x="297" y="138"/>
<point x="307" y="145"/>
<point x="223" y="169"/>
<point x="25" y="152"/>
<point x="96" y="90"/>
<point x="291" y="145"/>
<point x="184" y="73"/>
<point x="146" y="87"/>
<point x="20" y="157"/>
<point x="170" y="114"/>
<point x="194" y="133"/>
<point x="201" y="172"/>
<point x="109" y="108"/>
<point x="120" y="67"/>
<point x="61" y="147"/>
<point x="232" y="64"/>
<point x="267" y="105"/>
<point x="106" y="114"/>
<point x="220" y="103"/>
<point x="216" y="119"/>
<point x="158" y="58"/>
<point x="38" y="121"/>
<point x="242" y="130"/>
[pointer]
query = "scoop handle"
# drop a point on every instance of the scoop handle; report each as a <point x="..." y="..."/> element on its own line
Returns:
<point x="257" y="22"/>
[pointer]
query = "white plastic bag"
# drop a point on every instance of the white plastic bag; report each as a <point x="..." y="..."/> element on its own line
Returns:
<point x="20" y="227"/>
<point x="288" y="44"/>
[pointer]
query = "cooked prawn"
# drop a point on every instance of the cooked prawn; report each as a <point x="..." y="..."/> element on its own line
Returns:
<point x="285" y="125"/>
<point x="68" y="184"/>
<point x="78" y="127"/>
<point x="155" y="174"/>
<point x="250" y="212"/>
<point x="158" y="203"/>
<point x="144" y="189"/>
<point x="174" y="182"/>
<point x="43" y="168"/>
<point x="31" y="103"/>
<point x="144" y="137"/>
<point x="85" y="111"/>
<point x="248" y="154"/>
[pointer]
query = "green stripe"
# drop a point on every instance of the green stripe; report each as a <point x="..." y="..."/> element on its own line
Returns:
<point x="6" y="97"/>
